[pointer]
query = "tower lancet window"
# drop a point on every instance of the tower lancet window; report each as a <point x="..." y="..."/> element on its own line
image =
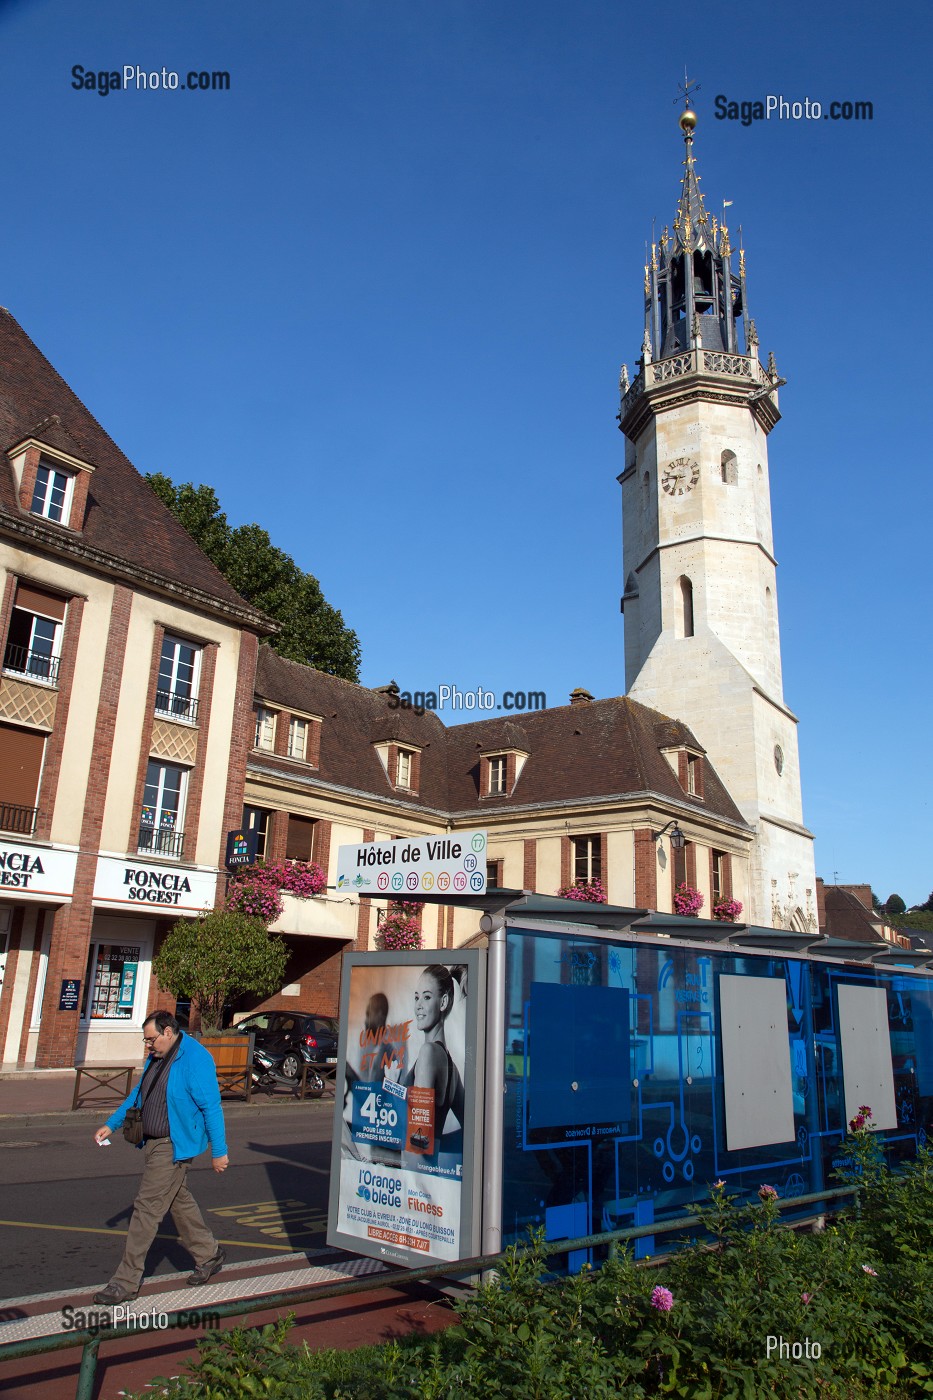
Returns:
<point x="729" y="466"/>
<point x="685" y="590"/>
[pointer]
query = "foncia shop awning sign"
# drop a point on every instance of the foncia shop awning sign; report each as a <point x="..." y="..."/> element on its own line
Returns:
<point x="453" y="863"/>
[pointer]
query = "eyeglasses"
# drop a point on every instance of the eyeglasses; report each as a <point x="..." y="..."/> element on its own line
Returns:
<point x="151" y="1039"/>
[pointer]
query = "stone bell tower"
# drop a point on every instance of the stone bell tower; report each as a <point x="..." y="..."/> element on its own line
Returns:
<point x="702" y="642"/>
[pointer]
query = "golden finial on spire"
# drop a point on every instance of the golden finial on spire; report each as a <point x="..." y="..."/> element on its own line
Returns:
<point x="647" y="284"/>
<point x="742" y="261"/>
<point x="654" y="257"/>
<point x="724" y="246"/>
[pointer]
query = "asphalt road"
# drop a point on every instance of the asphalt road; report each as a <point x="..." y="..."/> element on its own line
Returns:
<point x="65" y="1203"/>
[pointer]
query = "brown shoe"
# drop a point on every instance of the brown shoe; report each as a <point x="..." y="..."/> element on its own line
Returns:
<point x="113" y="1293"/>
<point x="208" y="1269"/>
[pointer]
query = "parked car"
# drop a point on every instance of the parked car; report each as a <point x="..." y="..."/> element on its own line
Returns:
<point x="296" y="1036"/>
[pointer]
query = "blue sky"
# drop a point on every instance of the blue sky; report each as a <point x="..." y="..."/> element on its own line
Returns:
<point x="377" y="295"/>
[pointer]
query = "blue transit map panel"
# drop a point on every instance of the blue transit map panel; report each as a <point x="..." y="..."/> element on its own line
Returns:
<point x="615" y="1107"/>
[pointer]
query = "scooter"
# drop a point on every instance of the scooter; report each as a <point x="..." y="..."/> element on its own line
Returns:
<point x="271" y="1070"/>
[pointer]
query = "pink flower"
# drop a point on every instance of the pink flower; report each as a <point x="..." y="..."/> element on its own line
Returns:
<point x="662" y="1299"/>
<point x="593" y="893"/>
<point x="687" y="901"/>
<point x="727" y="911"/>
<point x="767" y="1193"/>
<point x="806" y="1297"/>
<point x="399" y="930"/>
<point x="869" y="1270"/>
<point x="257" y="889"/>
<point x="718" y="1185"/>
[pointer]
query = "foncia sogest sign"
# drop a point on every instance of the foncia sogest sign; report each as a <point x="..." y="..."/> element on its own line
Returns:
<point x="453" y="863"/>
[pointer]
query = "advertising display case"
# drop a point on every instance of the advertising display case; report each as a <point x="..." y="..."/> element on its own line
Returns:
<point x="407" y="1144"/>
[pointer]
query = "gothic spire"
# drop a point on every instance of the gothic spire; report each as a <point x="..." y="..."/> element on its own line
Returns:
<point x="691" y="225"/>
<point x="692" y="296"/>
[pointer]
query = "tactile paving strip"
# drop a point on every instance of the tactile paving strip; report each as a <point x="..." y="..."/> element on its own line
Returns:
<point x="225" y="1290"/>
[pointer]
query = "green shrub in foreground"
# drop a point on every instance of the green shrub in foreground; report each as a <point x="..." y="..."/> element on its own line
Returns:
<point x="696" y="1327"/>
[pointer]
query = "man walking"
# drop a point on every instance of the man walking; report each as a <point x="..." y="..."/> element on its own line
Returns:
<point x="181" y="1114"/>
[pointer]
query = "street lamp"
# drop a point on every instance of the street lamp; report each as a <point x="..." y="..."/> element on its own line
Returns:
<point x="677" y="838"/>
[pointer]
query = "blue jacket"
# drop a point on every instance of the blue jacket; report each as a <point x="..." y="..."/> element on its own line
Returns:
<point x="195" y="1117"/>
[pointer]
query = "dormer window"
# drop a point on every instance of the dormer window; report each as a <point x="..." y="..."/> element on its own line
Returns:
<point x="51" y="496"/>
<point x="498" y="775"/>
<point x="693" y="775"/>
<point x="179" y="674"/>
<point x="500" y="770"/>
<point x="297" y="738"/>
<point x="403" y="773"/>
<point x="265" y="729"/>
<point x="51" y="482"/>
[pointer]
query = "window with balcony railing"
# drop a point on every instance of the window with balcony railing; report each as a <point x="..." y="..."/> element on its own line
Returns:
<point x="33" y="643"/>
<point x="160" y="824"/>
<point x="36" y="665"/>
<point x="21" y="755"/>
<point x="21" y="820"/>
<point x="161" y="841"/>
<point x="179" y="674"/>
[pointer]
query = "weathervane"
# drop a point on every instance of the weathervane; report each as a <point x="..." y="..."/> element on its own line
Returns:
<point x="685" y="88"/>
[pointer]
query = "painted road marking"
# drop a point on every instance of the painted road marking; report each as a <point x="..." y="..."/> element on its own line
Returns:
<point x="93" y="1230"/>
<point x="278" y="1219"/>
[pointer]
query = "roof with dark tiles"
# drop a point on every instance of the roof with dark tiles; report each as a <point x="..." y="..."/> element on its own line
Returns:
<point x="355" y="719"/>
<point x="125" y="520"/>
<point x="604" y="748"/>
<point x="847" y="917"/>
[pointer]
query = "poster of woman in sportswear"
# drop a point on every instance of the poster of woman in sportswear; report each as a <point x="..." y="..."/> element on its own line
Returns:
<point x="407" y="1071"/>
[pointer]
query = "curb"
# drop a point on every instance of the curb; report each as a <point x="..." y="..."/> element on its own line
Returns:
<point x="61" y="1117"/>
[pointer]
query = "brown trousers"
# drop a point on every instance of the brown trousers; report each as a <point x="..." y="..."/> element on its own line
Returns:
<point x="162" y="1189"/>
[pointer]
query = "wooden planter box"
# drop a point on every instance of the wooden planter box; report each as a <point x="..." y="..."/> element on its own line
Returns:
<point x="233" y="1061"/>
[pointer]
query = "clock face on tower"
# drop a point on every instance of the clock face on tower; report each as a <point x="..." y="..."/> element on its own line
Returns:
<point x="680" y="476"/>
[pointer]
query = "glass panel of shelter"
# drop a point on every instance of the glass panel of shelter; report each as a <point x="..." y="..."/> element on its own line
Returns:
<point x="614" y="1090"/>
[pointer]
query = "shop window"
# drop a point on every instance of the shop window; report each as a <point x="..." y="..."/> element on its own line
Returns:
<point x="265" y="729"/>
<point x="33" y="645"/>
<point x="587" y="859"/>
<point x="299" y="839"/>
<point x="51" y="497"/>
<point x="179" y="674"/>
<point x="298" y="738"/>
<point x="21" y="754"/>
<point x="110" y="984"/>
<point x="257" y="819"/>
<point x="161" y="825"/>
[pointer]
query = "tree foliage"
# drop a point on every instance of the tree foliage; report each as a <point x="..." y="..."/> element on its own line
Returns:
<point x="312" y="631"/>
<point x="217" y="957"/>
<point x="895" y="905"/>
